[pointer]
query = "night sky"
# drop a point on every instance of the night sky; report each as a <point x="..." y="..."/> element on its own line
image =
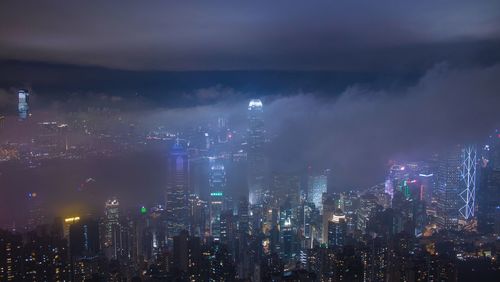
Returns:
<point x="257" y="35"/>
<point x="125" y="47"/>
<point x="345" y="84"/>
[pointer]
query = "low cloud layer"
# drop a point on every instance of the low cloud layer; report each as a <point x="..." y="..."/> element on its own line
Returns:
<point x="358" y="131"/>
<point x="361" y="130"/>
<point x="354" y="132"/>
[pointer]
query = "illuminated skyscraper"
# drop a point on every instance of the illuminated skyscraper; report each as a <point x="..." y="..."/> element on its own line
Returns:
<point x="397" y="174"/>
<point x="23" y="107"/>
<point x="337" y="229"/>
<point x="316" y="186"/>
<point x="367" y="207"/>
<point x="218" y="195"/>
<point x="112" y="219"/>
<point x="456" y="187"/>
<point x="256" y="159"/>
<point x="67" y="223"/>
<point x="468" y="175"/>
<point x="176" y="196"/>
<point x="287" y="236"/>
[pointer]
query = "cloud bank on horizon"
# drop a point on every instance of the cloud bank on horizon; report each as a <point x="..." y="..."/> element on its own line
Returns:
<point x="359" y="129"/>
<point x="222" y="35"/>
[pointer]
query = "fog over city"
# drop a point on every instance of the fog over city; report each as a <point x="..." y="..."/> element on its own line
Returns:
<point x="358" y="129"/>
<point x="289" y="141"/>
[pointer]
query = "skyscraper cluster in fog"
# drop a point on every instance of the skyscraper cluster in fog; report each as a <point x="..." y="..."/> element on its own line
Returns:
<point x="226" y="215"/>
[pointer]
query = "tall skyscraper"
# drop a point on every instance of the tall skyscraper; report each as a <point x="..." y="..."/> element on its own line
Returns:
<point x="84" y="238"/>
<point x="218" y="195"/>
<point x="337" y="229"/>
<point x="447" y="193"/>
<point x="468" y="175"/>
<point x="186" y="252"/>
<point x="255" y="153"/>
<point x="111" y="220"/>
<point x="367" y="207"/>
<point x="488" y="218"/>
<point x="176" y="196"/>
<point x="456" y="187"/>
<point x="316" y="186"/>
<point x="23" y="106"/>
<point x="84" y="249"/>
<point x="286" y="228"/>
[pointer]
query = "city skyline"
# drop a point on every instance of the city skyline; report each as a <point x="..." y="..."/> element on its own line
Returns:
<point x="282" y="141"/>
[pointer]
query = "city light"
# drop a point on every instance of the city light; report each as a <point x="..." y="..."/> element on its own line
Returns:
<point x="161" y="141"/>
<point x="72" y="219"/>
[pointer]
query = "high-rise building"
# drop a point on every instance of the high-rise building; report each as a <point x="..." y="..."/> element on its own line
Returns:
<point x="23" y="106"/>
<point x="349" y="204"/>
<point x="409" y="178"/>
<point x="84" y="238"/>
<point x="456" y="187"/>
<point x="111" y="220"/>
<point x="11" y="256"/>
<point x="317" y="185"/>
<point x="337" y="229"/>
<point x="84" y="249"/>
<point x="67" y="223"/>
<point x="228" y="229"/>
<point x="176" y="196"/>
<point x="286" y="188"/>
<point x="218" y="195"/>
<point x="331" y="204"/>
<point x="255" y="152"/>
<point x="367" y="207"/>
<point x="197" y="213"/>
<point x="448" y="189"/>
<point x="468" y="183"/>
<point x="36" y="211"/>
<point x="287" y="232"/>
<point x="187" y="253"/>
<point x="223" y="133"/>
<point x="488" y="200"/>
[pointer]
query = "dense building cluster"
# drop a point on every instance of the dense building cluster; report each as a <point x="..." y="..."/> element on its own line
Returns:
<point x="436" y="219"/>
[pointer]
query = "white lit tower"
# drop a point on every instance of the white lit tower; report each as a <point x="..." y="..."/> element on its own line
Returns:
<point x="468" y="175"/>
<point x="456" y="187"/>
<point x="255" y="152"/>
<point x="317" y="185"/>
<point x="176" y="196"/>
<point x="22" y="106"/>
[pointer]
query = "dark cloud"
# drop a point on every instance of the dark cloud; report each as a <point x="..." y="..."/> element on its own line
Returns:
<point x="172" y="35"/>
